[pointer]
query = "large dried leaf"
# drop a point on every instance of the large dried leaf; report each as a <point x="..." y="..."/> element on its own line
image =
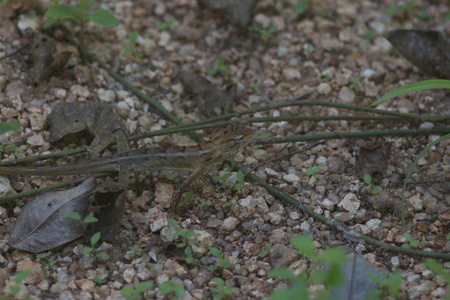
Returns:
<point x="372" y="158"/>
<point x="236" y="12"/>
<point x="429" y="50"/>
<point x="43" y="48"/>
<point x="43" y="224"/>
<point x="357" y="282"/>
<point x="211" y="101"/>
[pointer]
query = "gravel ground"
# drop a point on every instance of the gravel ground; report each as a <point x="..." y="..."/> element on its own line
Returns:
<point x="336" y="51"/>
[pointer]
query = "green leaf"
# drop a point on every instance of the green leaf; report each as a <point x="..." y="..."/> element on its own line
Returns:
<point x="87" y="250"/>
<point x="216" y="252"/>
<point x="86" y="4"/>
<point x="219" y="282"/>
<point x="393" y="283"/>
<point x="332" y="256"/>
<point x="127" y="291"/>
<point x="282" y="274"/>
<point x="73" y="215"/>
<point x="62" y="12"/>
<point x="367" y="179"/>
<point x="22" y="276"/>
<point x="173" y="223"/>
<point x="103" y="255"/>
<point x="14" y="289"/>
<point x="438" y="269"/>
<point x="304" y="244"/>
<point x="95" y="238"/>
<point x="302" y="6"/>
<point x="104" y="18"/>
<point x="9" y="126"/>
<point x="297" y="292"/>
<point x="414" y="87"/>
<point x="90" y="218"/>
<point x="143" y="286"/>
<point x="49" y="23"/>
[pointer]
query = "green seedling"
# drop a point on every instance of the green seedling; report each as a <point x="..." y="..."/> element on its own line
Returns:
<point x="45" y="256"/>
<point x="396" y="9"/>
<point x="184" y="236"/>
<point x="302" y="6"/>
<point x="94" y="240"/>
<point x="320" y="13"/>
<point x="10" y="148"/>
<point x="221" y="291"/>
<point x="388" y="286"/>
<point x="356" y="84"/>
<point x="266" y="250"/>
<point x="172" y="175"/>
<point x="221" y="67"/>
<point x="99" y="281"/>
<point x="369" y="35"/>
<point x="410" y="242"/>
<point x="172" y="290"/>
<point x="204" y="203"/>
<point x="135" y="294"/>
<point x="19" y="202"/>
<point x="331" y="277"/>
<point x="20" y="276"/>
<point x="223" y="262"/>
<point x="166" y="25"/>
<point x="325" y="77"/>
<point x="9" y="126"/>
<point x="130" y="48"/>
<point x="254" y="86"/>
<point x="370" y="188"/>
<point x="265" y="34"/>
<point x="223" y="179"/>
<point x="314" y="171"/>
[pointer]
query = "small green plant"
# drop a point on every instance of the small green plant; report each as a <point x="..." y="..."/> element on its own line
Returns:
<point x="93" y="240"/>
<point x="135" y="294"/>
<point x="15" y="289"/>
<point x="45" y="256"/>
<point x="438" y="269"/>
<point x="99" y="281"/>
<point x="325" y="77"/>
<point x="10" y="148"/>
<point x="396" y="9"/>
<point x="331" y="277"/>
<point x="135" y="251"/>
<point x="9" y="126"/>
<point x="89" y="218"/>
<point x="221" y="291"/>
<point x="370" y="188"/>
<point x="266" y="250"/>
<point x="388" y="286"/>
<point x="254" y="86"/>
<point x="410" y="242"/>
<point x="172" y="175"/>
<point x="223" y="179"/>
<point x="172" y="290"/>
<point x="204" y="203"/>
<point x="223" y="262"/>
<point x="355" y="85"/>
<point x="166" y="25"/>
<point x="19" y="202"/>
<point x="314" y="171"/>
<point x="369" y="35"/>
<point x="265" y="34"/>
<point x="184" y="236"/>
<point x="130" y="48"/>
<point x="221" y="67"/>
<point x="302" y="6"/>
<point x="80" y="14"/>
<point x="320" y="13"/>
<point x="240" y="176"/>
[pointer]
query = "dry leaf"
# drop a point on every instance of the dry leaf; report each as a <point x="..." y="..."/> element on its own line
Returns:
<point x="43" y="224"/>
<point x="429" y="50"/>
<point x="372" y="158"/>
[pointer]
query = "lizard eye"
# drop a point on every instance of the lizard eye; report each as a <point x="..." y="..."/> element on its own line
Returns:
<point x="238" y="138"/>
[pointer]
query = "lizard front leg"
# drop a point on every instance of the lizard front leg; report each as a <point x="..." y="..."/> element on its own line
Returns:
<point x="122" y="182"/>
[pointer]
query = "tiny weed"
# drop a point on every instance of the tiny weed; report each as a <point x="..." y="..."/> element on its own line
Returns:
<point x="330" y="277"/>
<point x="438" y="269"/>
<point x="94" y="240"/>
<point x="398" y="9"/>
<point x="355" y="85"/>
<point x="320" y="13"/>
<point x="204" y="203"/>
<point x="223" y="262"/>
<point x="370" y="188"/>
<point x="388" y="286"/>
<point x="254" y="86"/>
<point x="410" y="242"/>
<point x="130" y="48"/>
<point x="172" y="290"/>
<point x="20" y="276"/>
<point x="325" y="77"/>
<point x="223" y="179"/>
<point x="369" y="35"/>
<point x="314" y="171"/>
<point x="302" y="6"/>
<point x="9" y="126"/>
<point x="135" y="294"/>
<point x="172" y="176"/>
<point x="19" y="202"/>
<point x="266" y="250"/>
<point x="221" y="67"/>
<point x="166" y="25"/>
<point x="99" y="281"/>
<point x="240" y="181"/>
<point x="308" y="48"/>
<point x="265" y="34"/>
<point x="10" y="148"/>
<point x="45" y="256"/>
<point x="221" y="291"/>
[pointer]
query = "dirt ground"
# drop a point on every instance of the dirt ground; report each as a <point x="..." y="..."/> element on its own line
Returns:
<point x="335" y="50"/>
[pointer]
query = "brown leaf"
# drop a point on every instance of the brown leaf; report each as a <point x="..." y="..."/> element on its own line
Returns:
<point x="429" y="50"/>
<point x="43" y="48"/>
<point x="211" y="101"/>
<point x="43" y="224"/>
<point x="372" y="158"/>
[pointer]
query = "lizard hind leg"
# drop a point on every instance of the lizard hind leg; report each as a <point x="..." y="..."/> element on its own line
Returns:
<point x="110" y="185"/>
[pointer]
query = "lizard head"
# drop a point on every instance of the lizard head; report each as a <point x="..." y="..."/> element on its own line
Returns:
<point x="231" y="140"/>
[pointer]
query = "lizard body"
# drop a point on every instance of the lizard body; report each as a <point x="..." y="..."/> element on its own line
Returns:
<point x="198" y="158"/>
